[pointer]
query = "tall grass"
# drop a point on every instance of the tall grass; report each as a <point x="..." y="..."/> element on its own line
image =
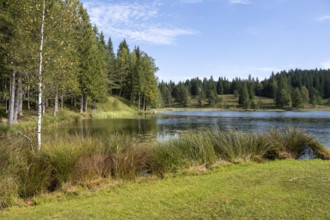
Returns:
<point x="206" y="147"/>
<point x="77" y="160"/>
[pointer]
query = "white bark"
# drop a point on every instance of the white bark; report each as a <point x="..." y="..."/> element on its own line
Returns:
<point x="20" y="95"/>
<point x="56" y="103"/>
<point x="11" y="108"/>
<point x="85" y="102"/>
<point x="16" y="104"/>
<point x="81" y="104"/>
<point x="28" y="98"/>
<point x="40" y="75"/>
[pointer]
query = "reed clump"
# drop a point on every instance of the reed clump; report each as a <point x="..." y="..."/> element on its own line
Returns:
<point x="206" y="147"/>
<point x="75" y="159"/>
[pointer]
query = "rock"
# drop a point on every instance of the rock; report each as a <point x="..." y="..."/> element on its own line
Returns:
<point x="307" y="154"/>
<point x="30" y="202"/>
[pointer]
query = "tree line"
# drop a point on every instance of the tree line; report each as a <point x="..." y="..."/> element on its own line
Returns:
<point x="289" y="89"/>
<point x="51" y="55"/>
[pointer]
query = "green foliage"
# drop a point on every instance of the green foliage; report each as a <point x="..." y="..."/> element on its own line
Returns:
<point x="166" y="95"/>
<point x="244" y="98"/>
<point x="283" y="95"/>
<point x="182" y="95"/>
<point x="297" y="99"/>
<point x="304" y="94"/>
<point x="315" y="98"/>
<point x="123" y="66"/>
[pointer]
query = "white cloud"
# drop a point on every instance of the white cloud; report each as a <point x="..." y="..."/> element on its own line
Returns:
<point x="242" y="2"/>
<point x="154" y="35"/>
<point x="325" y="64"/>
<point x="323" y="18"/>
<point x="136" y="21"/>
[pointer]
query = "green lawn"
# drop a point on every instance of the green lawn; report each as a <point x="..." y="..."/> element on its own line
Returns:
<point x="273" y="190"/>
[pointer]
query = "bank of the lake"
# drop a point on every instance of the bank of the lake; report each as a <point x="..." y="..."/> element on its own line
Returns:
<point x="74" y="160"/>
<point x="112" y="108"/>
<point x="273" y="190"/>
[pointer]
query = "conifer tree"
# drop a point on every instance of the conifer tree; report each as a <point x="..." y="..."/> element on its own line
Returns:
<point x="123" y="67"/>
<point x="111" y="67"/>
<point x="92" y="76"/>
<point x="283" y="93"/>
<point x="244" y="98"/>
<point x="297" y="99"/>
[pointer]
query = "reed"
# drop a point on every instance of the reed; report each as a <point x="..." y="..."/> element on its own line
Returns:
<point x="206" y="147"/>
<point x="76" y="159"/>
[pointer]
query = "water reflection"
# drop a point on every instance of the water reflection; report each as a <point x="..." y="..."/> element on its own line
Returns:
<point x="168" y="125"/>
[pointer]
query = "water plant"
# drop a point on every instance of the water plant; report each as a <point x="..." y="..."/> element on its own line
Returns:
<point x="75" y="159"/>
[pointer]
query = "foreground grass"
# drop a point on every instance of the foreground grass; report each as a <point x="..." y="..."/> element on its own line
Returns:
<point x="275" y="190"/>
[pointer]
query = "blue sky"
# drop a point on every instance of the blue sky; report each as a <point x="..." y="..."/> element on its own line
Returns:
<point x="228" y="38"/>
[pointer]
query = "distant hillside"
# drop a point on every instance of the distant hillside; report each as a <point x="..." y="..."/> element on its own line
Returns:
<point x="294" y="89"/>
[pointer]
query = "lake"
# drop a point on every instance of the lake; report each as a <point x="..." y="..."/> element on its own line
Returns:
<point x="168" y="125"/>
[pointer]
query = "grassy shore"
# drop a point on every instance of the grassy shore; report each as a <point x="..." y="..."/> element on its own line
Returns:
<point x="76" y="160"/>
<point x="112" y="108"/>
<point x="272" y="190"/>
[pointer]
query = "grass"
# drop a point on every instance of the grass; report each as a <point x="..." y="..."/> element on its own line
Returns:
<point x="75" y="160"/>
<point x="272" y="190"/>
<point x="114" y="108"/>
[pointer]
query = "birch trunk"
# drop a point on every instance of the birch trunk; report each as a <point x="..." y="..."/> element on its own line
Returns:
<point x="28" y="98"/>
<point x="56" y="103"/>
<point x="16" y="104"/>
<point x="12" y="98"/>
<point x="81" y="104"/>
<point x="20" y="95"/>
<point x="40" y="75"/>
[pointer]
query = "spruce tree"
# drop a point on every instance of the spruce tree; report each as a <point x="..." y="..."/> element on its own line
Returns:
<point x="111" y="67"/>
<point x="123" y="68"/>
<point x="297" y="99"/>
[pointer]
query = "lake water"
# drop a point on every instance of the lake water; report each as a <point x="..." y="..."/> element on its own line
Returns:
<point x="169" y="124"/>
